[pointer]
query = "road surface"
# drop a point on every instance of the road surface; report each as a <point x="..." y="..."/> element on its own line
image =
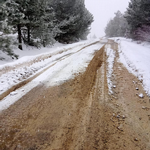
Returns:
<point x="81" y="114"/>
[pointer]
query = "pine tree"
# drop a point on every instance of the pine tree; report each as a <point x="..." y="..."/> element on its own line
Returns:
<point x="138" y="16"/>
<point x="44" y="21"/>
<point x="35" y="23"/>
<point x="117" y="26"/>
<point x="2" y="15"/>
<point x="5" y="41"/>
<point x="15" y="15"/>
<point x="133" y="14"/>
<point x="73" y="20"/>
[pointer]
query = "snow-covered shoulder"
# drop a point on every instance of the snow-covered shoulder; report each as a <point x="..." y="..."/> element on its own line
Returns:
<point x="136" y="58"/>
<point x="110" y="60"/>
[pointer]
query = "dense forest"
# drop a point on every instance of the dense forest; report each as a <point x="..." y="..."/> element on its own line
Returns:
<point x="134" y="23"/>
<point x="43" y="22"/>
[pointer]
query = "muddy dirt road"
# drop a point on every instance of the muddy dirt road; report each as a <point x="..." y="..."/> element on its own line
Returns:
<point x="81" y="114"/>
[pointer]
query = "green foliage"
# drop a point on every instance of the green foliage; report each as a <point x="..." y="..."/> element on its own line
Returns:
<point x="138" y="15"/>
<point x="73" y="20"/>
<point x="42" y="22"/>
<point x="2" y="15"/>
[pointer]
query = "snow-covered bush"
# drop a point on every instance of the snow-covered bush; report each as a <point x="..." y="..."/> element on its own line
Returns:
<point x="6" y="43"/>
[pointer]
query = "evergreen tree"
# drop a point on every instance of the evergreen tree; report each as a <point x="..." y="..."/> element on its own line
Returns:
<point x="138" y="16"/>
<point x="44" y="21"/>
<point x="85" y="22"/>
<point x="2" y="15"/>
<point x="45" y="27"/>
<point x="15" y="15"/>
<point x="117" y="26"/>
<point x="5" y="41"/>
<point x="31" y="16"/>
<point x="73" y="20"/>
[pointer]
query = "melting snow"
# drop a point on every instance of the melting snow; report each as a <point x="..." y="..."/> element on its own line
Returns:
<point x="63" y="66"/>
<point x="111" y="56"/>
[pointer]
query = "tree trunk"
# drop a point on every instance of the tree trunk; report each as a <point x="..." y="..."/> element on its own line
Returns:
<point x="28" y="35"/>
<point x="19" y="36"/>
<point x="44" y="43"/>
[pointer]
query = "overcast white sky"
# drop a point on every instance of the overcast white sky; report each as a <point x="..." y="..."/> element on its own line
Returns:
<point x="102" y="11"/>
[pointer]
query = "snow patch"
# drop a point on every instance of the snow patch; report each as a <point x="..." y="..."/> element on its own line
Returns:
<point x="141" y="95"/>
<point x="111" y="56"/>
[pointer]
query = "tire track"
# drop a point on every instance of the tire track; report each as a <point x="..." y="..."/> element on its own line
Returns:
<point x="26" y="81"/>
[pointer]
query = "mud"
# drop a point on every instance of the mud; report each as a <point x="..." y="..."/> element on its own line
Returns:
<point x="80" y="114"/>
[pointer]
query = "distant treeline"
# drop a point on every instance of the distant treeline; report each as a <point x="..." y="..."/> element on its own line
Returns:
<point x="134" y="23"/>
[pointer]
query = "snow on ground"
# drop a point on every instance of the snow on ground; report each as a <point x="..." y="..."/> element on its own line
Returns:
<point x="13" y="73"/>
<point x="64" y="66"/>
<point x="110" y="60"/>
<point x="136" y="58"/>
<point x="29" y="53"/>
<point x="67" y="68"/>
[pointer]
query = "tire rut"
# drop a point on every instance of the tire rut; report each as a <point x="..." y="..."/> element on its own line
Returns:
<point x="29" y="79"/>
<point x="79" y="114"/>
<point x="50" y="118"/>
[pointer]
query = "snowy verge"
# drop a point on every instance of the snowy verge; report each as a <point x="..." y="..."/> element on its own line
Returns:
<point x="110" y="60"/>
<point x="136" y="58"/>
